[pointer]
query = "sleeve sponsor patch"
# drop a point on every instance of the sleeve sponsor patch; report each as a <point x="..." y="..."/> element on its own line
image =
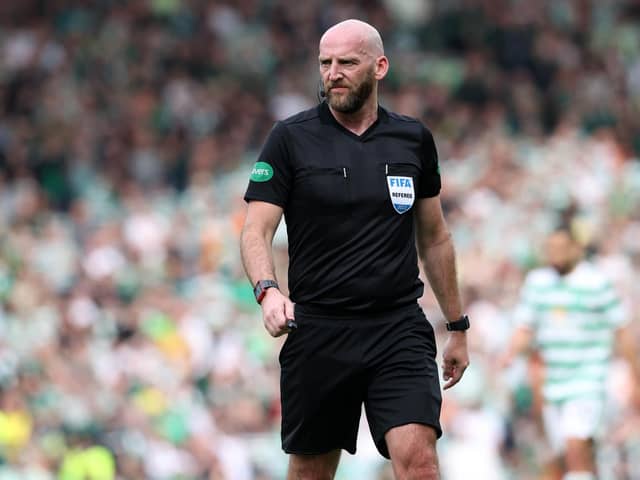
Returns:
<point x="262" y="172"/>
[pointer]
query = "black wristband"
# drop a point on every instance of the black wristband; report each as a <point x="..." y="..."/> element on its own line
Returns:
<point x="459" y="325"/>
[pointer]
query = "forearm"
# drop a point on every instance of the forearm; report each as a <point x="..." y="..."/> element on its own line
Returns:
<point x="520" y="342"/>
<point x="439" y="264"/>
<point x="627" y="348"/>
<point x="634" y="364"/>
<point x="257" y="256"/>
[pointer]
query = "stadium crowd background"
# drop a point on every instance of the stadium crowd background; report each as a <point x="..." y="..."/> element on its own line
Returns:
<point x="127" y="133"/>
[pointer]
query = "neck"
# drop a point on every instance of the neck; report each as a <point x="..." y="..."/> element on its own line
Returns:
<point x="358" y="122"/>
<point x="567" y="269"/>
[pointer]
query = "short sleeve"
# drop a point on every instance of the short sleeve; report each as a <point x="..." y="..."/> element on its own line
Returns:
<point x="429" y="185"/>
<point x="613" y="307"/>
<point x="270" y="178"/>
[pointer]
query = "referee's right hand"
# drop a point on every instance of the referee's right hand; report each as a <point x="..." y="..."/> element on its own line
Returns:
<point x="277" y="312"/>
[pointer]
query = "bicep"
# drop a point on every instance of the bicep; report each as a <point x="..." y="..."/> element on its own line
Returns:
<point x="271" y="177"/>
<point x="262" y="218"/>
<point x="430" y="182"/>
<point x="430" y="223"/>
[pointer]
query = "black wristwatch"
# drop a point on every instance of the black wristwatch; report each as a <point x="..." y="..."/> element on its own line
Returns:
<point x="261" y="288"/>
<point x="459" y="325"/>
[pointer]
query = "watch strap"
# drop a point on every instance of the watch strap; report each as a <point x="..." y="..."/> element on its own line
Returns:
<point x="459" y="325"/>
<point x="261" y="288"/>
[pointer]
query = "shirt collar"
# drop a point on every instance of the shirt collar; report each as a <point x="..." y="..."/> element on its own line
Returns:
<point x="327" y="117"/>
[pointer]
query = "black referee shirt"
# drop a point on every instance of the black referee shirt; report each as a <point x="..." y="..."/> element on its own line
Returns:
<point x="348" y="204"/>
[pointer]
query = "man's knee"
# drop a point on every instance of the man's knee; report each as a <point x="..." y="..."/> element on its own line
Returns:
<point x="579" y="455"/>
<point x="313" y="467"/>
<point x="418" y="463"/>
<point x="413" y="452"/>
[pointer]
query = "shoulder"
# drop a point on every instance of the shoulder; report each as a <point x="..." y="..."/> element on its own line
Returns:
<point x="586" y="275"/>
<point x="281" y="127"/>
<point x="540" y="278"/>
<point x="409" y="124"/>
<point x="402" y="121"/>
<point x="310" y="115"/>
<point x="397" y="117"/>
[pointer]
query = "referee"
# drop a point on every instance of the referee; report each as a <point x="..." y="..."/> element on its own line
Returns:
<point x="358" y="186"/>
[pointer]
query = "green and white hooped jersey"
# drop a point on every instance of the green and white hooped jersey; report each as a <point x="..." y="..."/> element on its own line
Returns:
<point x="574" y="318"/>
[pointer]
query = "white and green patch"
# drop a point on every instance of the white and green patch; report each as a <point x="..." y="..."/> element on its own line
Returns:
<point x="262" y="172"/>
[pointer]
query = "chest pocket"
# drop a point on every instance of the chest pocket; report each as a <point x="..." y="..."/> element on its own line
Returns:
<point x="323" y="191"/>
<point x="400" y="182"/>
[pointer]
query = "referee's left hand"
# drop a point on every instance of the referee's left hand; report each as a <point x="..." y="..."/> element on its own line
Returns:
<point x="455" y="358"/>
<point x="277" y="312"/>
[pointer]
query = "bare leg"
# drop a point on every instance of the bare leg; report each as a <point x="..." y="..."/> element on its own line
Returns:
<point x="313" y="467"/>
<point x="553" y="469"/>
<point x="412" y="448"/>
<point x="580" y="459"/>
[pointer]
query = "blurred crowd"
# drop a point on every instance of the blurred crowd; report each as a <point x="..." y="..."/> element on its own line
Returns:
<point x="130" y="343"/>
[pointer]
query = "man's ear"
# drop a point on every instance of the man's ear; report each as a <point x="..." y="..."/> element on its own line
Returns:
<point x="382" y="67"/>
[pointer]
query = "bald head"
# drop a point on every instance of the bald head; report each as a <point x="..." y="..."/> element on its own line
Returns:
<point x="352" y="62"/>
<point x="357" y="33"/>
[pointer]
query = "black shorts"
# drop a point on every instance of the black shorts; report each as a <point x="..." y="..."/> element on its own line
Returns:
<point x="330" y="366"/>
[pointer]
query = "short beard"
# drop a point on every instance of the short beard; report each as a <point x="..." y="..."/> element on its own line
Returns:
<point x="354" y="100"/>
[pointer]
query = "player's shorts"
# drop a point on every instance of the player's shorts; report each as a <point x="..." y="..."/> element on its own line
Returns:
<point x="576" y="418"/>
<point x="331" y="365"/>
